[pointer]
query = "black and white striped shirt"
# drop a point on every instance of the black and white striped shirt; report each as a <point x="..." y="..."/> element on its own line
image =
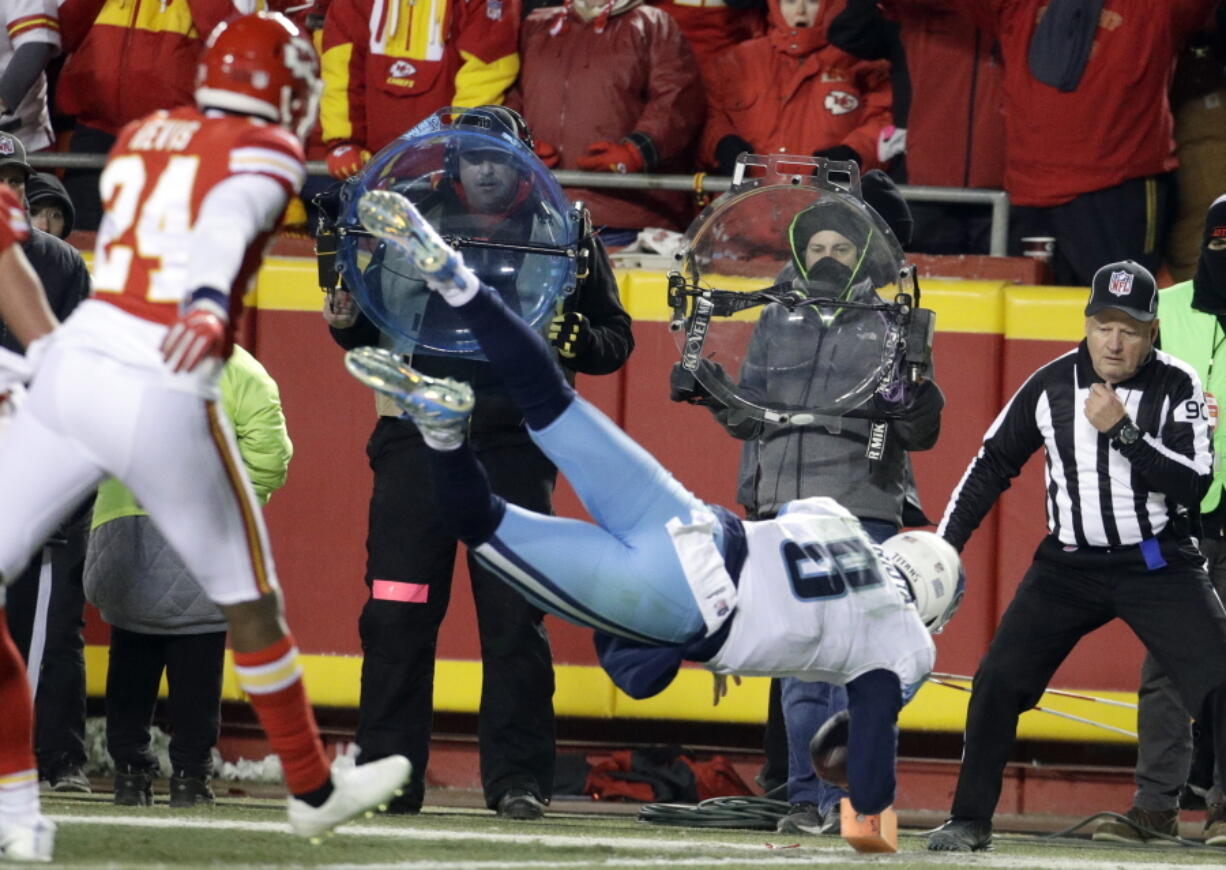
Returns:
<point x="1099" y="494"/>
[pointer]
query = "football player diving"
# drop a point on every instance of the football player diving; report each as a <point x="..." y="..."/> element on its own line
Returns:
<point x="665" y="577"/>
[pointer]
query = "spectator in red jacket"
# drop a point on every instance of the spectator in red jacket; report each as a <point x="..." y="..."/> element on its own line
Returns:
<point x="612" y="86"/>
<point x="389" y="64"/>
<point x="793" y="92"/>
<point x="126" y="58"/>
<point x="715" y="26"/>
<point x="950" y="114"/>
<point x="1088" y="127"/>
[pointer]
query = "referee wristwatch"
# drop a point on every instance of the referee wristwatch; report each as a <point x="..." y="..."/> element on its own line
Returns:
<point x="1125" y="433"/>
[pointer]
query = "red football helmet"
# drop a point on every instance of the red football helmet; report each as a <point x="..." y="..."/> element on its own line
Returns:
<point x="261" y="64"/>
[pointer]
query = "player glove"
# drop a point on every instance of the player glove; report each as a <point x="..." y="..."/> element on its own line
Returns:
<point x="547" y="153"/>
<point x="623" y="156"/>
<point x="346" y="159"/>
<point x="200" y="332"/>
<point x="570" y="333"/>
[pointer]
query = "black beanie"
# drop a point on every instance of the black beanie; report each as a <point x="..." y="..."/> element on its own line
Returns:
<point x="42" y="187"/>
<point x="828" y="214"/>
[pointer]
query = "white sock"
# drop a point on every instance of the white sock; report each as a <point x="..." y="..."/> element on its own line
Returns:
<point x="19" y="796"/>
<point x="458" y="290"/>
<point x="441" y="442"/>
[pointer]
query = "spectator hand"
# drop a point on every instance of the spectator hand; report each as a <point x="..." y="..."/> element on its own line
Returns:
<point x="346" y="159"/>
<point x="721" y="686"/>
<point x="10" y="398"/>
<point x="15" y="372"/>
<point x="1103" y="407"/>
<point x="570" y="333"/>
<point x="340" y="311"/>
<point x="33" y="357"/>
<point x="839" y="152"/>
<point x="199" y="333"/>
<point x="547" y="153"/>
<point x="621" y="157"/>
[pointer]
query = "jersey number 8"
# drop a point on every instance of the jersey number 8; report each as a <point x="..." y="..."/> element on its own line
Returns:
<point x="829" y="570"/>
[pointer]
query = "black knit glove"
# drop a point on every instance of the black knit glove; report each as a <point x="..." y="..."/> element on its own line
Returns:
<point x="839" y="152"/>
<point x="726" y="151"/>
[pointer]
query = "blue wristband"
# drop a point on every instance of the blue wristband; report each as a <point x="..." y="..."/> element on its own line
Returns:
<point x="208" y="294"/>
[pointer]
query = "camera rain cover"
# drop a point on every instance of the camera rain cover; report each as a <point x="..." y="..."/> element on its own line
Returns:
<point x="784" y="302"/>
<point x="492" y="200"/>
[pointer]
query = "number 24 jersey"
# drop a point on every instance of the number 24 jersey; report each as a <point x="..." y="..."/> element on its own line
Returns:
<point x="159" y="172"/>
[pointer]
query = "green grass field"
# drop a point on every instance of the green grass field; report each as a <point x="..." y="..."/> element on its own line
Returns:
<point x="245" y="833"/>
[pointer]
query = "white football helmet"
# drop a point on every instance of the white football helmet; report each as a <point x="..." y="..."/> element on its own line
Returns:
<point x="933" y="570"/>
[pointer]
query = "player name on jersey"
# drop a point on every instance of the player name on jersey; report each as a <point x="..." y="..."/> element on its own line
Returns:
<point x="163" y="134"/>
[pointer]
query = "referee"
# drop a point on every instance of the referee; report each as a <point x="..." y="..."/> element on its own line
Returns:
<point x="1127" y="442"/>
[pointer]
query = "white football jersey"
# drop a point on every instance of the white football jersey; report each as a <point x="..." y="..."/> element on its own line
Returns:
<point x="29" y="21"/>
<point x="815" y="602"/>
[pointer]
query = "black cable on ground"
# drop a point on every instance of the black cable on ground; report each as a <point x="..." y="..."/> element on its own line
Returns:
<point x="763" y="814"/>
<point x="745" y="813"/>
<point x="1145" y="832"/>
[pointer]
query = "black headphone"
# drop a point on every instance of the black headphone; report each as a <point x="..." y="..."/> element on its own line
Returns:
<point x="493" y="120"/>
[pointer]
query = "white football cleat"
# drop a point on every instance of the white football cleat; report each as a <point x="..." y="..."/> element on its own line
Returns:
<point x="29" y="842"/>
<point x="356" y="790"/>
<point x="390" y="216"/>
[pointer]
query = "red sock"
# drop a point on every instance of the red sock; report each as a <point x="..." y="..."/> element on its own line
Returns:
<point x="272" y="680"/>
<point x="17" y="762"/>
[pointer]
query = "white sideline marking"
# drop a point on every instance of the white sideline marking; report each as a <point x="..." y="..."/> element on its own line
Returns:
<point x="830" y="852"/>
<point x="671" y="844"/>
<point x="533" y="865"/>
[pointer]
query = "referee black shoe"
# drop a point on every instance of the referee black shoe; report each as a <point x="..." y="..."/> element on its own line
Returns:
<point x="962" y="835"/>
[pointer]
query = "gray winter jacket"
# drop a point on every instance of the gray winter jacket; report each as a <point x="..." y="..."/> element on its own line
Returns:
<point x="132" y="575"/>
<point x="827" y="457"/>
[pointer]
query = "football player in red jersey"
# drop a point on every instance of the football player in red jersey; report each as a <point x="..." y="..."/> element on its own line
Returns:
<point x="23" y="308"/>
<point x="127" y="386"/>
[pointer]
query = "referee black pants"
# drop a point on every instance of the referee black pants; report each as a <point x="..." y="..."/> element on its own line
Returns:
<point x="1063" y="597"/>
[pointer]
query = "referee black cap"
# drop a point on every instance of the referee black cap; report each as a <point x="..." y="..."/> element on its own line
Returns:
<point x="1127" y="286"/>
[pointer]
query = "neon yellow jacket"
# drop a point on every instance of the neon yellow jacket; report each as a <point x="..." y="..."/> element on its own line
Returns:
<point x="252" y="403"/>
<point x="1199" y="340"/>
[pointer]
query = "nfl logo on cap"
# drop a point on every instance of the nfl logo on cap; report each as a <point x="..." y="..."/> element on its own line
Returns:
<point x="1125" y="286"/>
<point x="1120" y="284"/>
<point x="6" y="146"/>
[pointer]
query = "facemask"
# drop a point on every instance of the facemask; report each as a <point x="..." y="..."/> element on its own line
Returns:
<point x="828" y="277"/>
<point x="1209" y="283"/>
